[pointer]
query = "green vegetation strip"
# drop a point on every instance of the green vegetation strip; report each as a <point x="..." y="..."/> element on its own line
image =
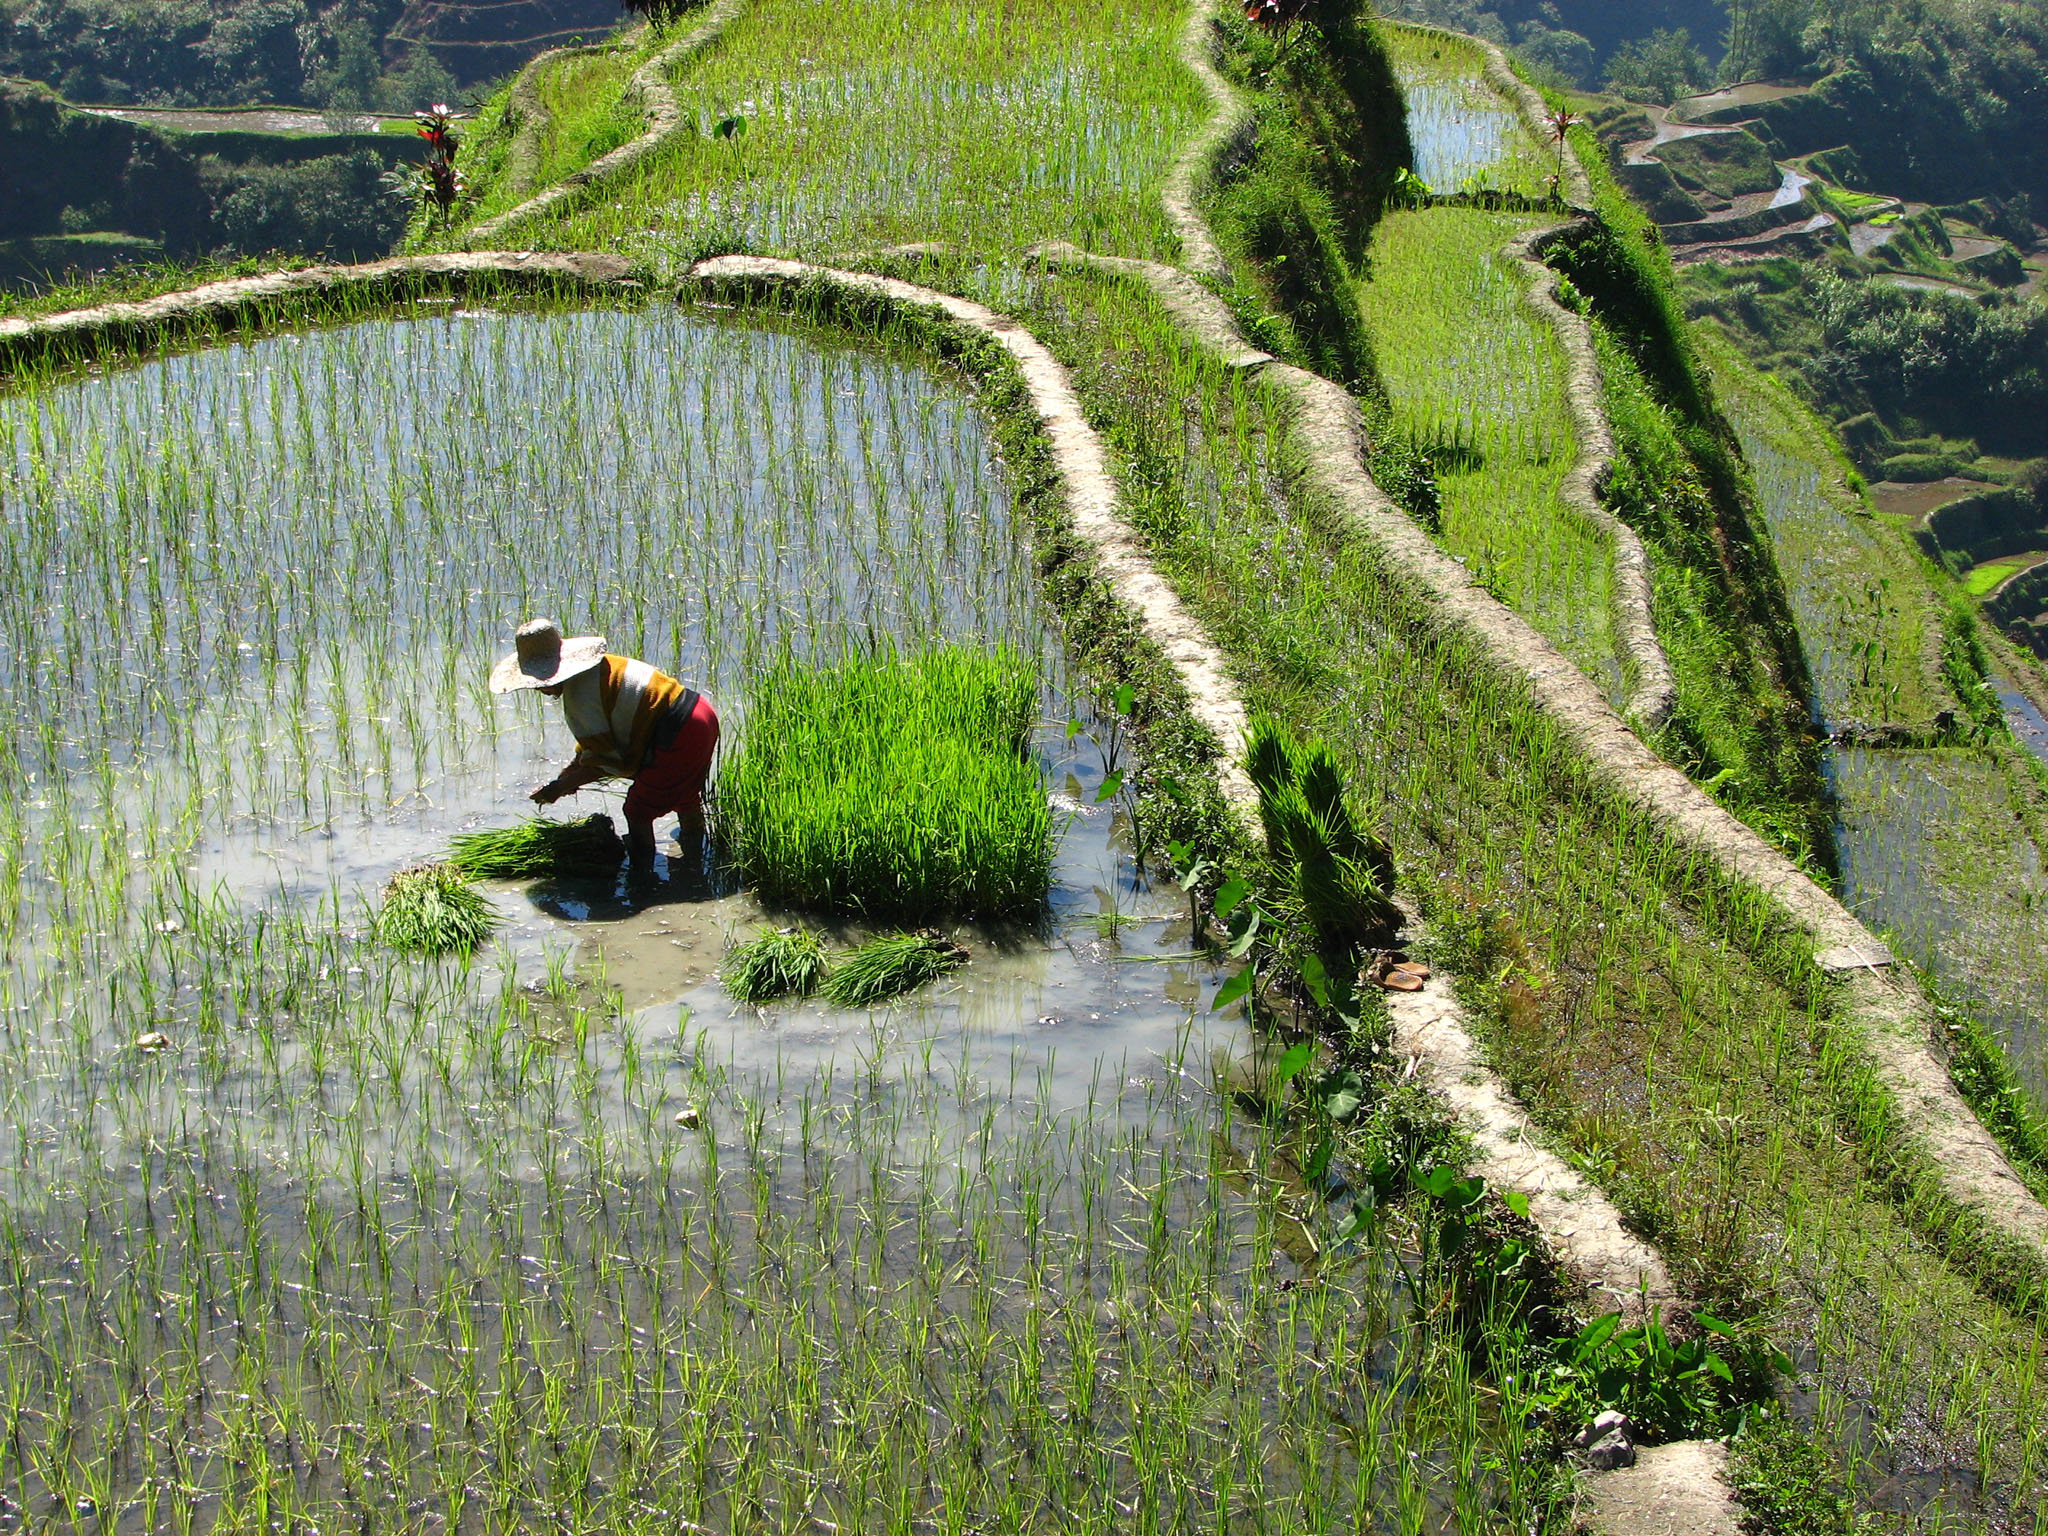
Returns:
<point x="664" y="121"/>
<point x="885" y="784"/>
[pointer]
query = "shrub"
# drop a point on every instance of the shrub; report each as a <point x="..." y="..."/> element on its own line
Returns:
<point x="432" y="909"/>
<point x="1341" y="876"/>
<point x="887" y="785"/>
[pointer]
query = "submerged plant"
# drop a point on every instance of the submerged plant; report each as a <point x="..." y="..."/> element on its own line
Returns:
<point x="776" y="963"/>
<point x="891" y="966"/>
<point x="536" y="847"/>
<point x="883" y="784"/>
<point x="432" y="909"/>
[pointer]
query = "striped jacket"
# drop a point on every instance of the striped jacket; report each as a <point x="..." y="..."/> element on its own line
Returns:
<point x="620" y="712"/>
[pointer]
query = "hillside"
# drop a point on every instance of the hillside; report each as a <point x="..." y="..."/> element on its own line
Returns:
<point x="1528" y="1022"/>
<point x="478" y="40"/>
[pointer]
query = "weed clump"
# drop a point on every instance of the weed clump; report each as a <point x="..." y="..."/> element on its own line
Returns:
<point x="891" y="966"/>
<point x="775" y="964"/>
<point x="432" y="909"/>
<point x="538" y="846"/>
<point x="890" y="785"/>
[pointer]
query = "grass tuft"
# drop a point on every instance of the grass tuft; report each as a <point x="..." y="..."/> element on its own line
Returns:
<point x="432" y="909"/>
<point x="538" y="846"/>
<point x="891" y="785"/>
<point x="891" y="966"/>
<point x="775" y="964"/>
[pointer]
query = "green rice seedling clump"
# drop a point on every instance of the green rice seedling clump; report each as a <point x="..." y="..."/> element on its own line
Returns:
<point x="775" y="963"/>
<point x="885" y="784"/>
<point x="538" y="846"/>
<point x="891" y="966"/>
<point x="432" y="909"/>
<point x="1341" y="875"/>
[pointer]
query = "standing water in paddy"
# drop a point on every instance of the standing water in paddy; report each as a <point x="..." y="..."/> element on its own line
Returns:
<point x="302" y="1230"/>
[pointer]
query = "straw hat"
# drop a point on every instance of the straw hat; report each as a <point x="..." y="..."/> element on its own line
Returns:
<point x="544" y="658"/>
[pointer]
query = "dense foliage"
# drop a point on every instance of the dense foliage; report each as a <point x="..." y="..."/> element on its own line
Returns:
<point x="1940" y="98"/>
<point x="188" y="52"/>
<point x="1921" y="362"/>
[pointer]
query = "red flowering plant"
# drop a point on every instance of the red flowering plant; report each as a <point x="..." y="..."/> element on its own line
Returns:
<point x="435" y="183"/>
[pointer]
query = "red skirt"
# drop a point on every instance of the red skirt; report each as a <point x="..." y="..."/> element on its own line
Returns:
<point x="674" y="781"/>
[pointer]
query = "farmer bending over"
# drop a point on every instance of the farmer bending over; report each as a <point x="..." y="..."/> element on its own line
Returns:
<point x="630" y="722"/>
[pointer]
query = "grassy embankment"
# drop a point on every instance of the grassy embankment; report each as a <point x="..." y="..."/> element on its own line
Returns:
<point x="1943" y="815"/>
<point x="1649" y="1016"/>
<point x="555" y="117"/>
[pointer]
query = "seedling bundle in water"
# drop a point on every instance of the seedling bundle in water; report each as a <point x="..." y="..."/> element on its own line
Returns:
<point x="882" y="784"/>
<point x="775" y="964"/>
<point x="794" y="963"/>
<point x="891" y="966"/>
<point x="432" y="909"/>
<point x="537" y="847"/>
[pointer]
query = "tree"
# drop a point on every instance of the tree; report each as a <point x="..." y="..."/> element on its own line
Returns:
<point x="1660" y="68"/>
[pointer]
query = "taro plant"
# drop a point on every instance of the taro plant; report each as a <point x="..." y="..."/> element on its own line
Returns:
<point x="1667" y="1386"/>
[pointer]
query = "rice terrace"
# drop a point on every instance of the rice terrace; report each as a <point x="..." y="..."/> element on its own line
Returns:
<point x="1022" y="766"/>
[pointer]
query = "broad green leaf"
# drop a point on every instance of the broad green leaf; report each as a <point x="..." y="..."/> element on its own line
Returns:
<point x="1126" y="697"/>
<point x="1111" y="784"/>
<point x="1232" y="989"/>
<point x="1516" y="1201"/>
<point x="1292" y="1063"/>
<point x="1229" y="895"/>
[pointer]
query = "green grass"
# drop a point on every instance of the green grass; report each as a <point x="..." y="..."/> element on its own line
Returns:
<point x="1979" y="580"/>
<point x="891" y="784"/>
<point x="434" y="910"/>
<point x="1477" y="379"/>
<point x="774" y="963"/>
<point x="888" y="967"/>
<point x="874" y="122"/>
<point x="537" y="847"/>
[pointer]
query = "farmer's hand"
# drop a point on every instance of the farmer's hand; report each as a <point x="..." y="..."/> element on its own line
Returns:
<point x="548" y="793"/>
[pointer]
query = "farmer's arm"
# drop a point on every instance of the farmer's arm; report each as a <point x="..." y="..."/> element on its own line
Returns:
<point x="593" y="761"/>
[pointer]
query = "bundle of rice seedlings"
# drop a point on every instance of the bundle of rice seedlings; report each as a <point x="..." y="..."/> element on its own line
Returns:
<point x="775" y="964"/>
<point x="432" y="909"/>
<point x="891" y="966"/>
<point x="539" y="846"/>
<point x="1341" y="875"/>
<point x="890" y="785"/>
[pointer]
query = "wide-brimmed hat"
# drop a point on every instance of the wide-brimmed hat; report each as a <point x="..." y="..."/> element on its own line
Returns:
<point x="543" y="658"/>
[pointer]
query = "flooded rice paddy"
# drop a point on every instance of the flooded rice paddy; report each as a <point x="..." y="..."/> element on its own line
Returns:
<point x="1939" y="848"/>
<point x="298" y="1235"/>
